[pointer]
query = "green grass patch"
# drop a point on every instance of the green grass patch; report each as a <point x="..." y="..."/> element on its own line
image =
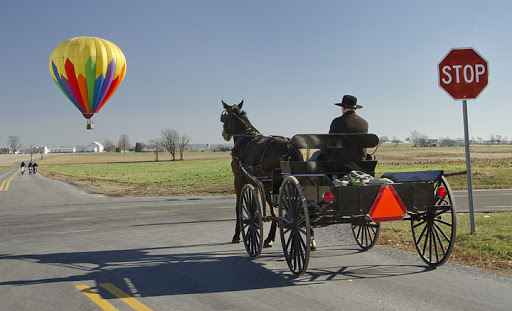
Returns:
<point x="493" y="234"/>
<point x="490" y="247"/>
<point x="175" y="173"/>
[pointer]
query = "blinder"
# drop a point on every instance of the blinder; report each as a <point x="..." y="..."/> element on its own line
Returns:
<point x="224" y="116"/>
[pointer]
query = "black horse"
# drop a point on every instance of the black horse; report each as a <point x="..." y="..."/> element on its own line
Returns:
<point x="252" y="149"/>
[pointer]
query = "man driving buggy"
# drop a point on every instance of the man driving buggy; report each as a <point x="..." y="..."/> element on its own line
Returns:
<point x="348" y="122"/>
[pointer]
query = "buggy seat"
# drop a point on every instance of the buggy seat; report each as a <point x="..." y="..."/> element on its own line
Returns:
<point x="336" y="143"/>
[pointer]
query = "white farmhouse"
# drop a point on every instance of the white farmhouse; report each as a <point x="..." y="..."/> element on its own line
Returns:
<point x="94" y="147"/>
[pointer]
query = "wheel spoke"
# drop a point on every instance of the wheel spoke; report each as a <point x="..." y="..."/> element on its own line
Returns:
<point x="419" y="224"/>
<point x="421" y="235"/>
<point x="294" y="225"/>
<point x="440" y="242"/>
<point x="443" y="222"/>
<point x="442" y="232"/>
<point x="250" y="220"/>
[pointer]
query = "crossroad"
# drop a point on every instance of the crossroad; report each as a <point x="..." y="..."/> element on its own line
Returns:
<point x="62" y="248"/>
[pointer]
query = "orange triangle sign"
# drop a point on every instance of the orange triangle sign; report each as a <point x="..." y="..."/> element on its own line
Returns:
<point x="387" y="206"/>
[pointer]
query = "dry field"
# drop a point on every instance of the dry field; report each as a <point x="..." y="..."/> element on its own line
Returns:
<point x="488" y="156"/>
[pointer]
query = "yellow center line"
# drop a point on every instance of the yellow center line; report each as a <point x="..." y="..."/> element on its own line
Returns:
<point x="8" y="181"/>
<point x="105" y="305"/>
<point x="157" y="212"/>
<point x="132" y="302"/>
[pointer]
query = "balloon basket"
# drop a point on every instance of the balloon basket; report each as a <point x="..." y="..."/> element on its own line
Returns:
<point x="90" y="126"/>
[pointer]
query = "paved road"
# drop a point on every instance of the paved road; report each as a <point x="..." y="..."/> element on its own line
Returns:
<point x="492" y="200"/>
<point x="63" y="249"/>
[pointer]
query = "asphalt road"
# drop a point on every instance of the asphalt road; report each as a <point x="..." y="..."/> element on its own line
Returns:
<point x="64" y="249"/>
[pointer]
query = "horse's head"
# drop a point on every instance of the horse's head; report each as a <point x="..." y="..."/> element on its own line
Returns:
<point x="234" y="120"/>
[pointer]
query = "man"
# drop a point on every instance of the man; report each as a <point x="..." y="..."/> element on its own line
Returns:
<point x="348" y="123"/>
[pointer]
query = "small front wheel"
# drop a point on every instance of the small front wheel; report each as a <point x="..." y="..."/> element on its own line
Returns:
<point x="366" y="234"/>
<point x="251" y="220"/>
<point x="294" y="225"/>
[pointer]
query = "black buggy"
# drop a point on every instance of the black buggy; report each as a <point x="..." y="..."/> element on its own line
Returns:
<point x="308" y="194"/>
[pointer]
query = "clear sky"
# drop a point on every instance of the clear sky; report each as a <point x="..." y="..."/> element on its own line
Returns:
<point x="289" y="60"/>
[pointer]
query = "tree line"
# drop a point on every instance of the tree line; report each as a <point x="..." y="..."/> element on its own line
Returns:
<point x="169" y="141"/>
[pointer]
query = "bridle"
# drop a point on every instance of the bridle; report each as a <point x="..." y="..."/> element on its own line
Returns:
<point x="249" y="131"/>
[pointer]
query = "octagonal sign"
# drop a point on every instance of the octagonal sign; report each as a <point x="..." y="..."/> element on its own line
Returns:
<point x="463" y="74"/>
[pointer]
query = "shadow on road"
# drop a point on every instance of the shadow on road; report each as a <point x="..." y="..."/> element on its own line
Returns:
<point x="180" y="270"/>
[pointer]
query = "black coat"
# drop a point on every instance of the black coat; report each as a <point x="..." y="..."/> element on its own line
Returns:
<point x="349" y="122"/>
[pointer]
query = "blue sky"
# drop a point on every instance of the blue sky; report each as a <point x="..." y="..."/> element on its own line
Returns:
<point x="289" y="60"/>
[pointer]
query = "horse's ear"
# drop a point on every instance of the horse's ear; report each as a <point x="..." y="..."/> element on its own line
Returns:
<point x="241" y="104"/>
<point x="226" y="106"/>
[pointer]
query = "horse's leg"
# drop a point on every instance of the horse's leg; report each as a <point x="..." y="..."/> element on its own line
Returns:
<point x="272" y="233"/>
<point x="236" y="237"/>
<point x="238" y="188"/>
<point x="313" y="243"/>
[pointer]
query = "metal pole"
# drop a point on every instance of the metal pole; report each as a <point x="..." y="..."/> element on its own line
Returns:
<point x="468" y="166"/>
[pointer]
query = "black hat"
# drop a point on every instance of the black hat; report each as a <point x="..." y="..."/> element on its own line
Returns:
<point x="349" y="101"/>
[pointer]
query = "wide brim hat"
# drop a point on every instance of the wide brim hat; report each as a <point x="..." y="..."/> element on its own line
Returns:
<point x="349" y="101"/>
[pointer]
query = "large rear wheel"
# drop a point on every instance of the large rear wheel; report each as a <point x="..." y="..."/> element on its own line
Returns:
<point x="434" y="230"/>
<point x="294" y="225"/>
<point x="251" y="221"/>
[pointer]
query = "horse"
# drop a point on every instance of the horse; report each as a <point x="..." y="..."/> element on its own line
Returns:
<point x="251" y="148"/>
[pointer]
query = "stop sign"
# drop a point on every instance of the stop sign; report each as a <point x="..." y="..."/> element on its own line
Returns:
<point x="463" y="73"/>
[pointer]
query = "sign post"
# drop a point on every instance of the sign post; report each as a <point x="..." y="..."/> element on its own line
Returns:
<point x="463" y="74"/>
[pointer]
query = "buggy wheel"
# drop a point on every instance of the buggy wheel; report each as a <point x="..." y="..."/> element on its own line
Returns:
<point x="434" y="230"/>
<point x="294" y="225"/>
<point x="366" y="233"/>
<point x="251" y="221"/>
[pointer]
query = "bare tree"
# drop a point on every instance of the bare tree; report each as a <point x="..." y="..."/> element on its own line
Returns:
<point x="156" y="145"/>
<point x="383" y="139"/>
<point x="33" y="149"/>
<point x="492" y="139"/>
<point x="123" y="143"/>
<point x="170" y="140"/>
<point x="14" y="143"/>
<point x="447" y="142"/>
<point x="499" y="139"/>
<point x="182" y="143"/>
<point x="109" y="146"/>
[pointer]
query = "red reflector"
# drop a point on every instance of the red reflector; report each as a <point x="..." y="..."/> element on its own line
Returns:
<point x="442" y="192"/>
<point x="328" y="197"/>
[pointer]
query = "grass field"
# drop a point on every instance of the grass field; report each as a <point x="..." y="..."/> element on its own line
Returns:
<point x="491" y="167"/>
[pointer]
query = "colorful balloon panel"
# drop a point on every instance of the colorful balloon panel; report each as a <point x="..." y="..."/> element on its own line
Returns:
<point x="88" y="71"/>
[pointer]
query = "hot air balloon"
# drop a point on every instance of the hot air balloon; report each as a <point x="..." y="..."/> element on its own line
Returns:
<point x="88" y="71"/>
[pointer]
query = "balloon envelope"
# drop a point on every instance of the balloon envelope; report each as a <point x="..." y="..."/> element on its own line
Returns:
<point x="88" y="71"/>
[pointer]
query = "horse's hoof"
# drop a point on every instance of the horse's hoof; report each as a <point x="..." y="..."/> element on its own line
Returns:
<point x="268" y="244"/>
<point x="313" y="245"/>
<point x="235" y="241"/>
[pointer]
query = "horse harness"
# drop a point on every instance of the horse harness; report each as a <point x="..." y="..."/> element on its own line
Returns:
<point x="252" y="133"/>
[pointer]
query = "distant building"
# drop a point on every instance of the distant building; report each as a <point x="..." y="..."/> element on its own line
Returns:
<point x="62" y="150"/>
<point x="94" y="147"/>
